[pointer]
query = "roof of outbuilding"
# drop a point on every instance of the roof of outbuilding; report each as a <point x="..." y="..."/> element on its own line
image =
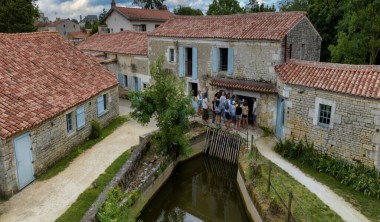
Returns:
<point x="143" y="14"/>
<point x="247" y="85"/>
<point x="43" y="75"/>
<point x="357" y="80"/>
<point x="77" y="35"/>
<point x="265" y="25"/>
<point x="126" y="42"/>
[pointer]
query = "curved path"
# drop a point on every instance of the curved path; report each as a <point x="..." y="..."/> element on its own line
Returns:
<point x="47" y="200"/>
<point x="344" y="209"/>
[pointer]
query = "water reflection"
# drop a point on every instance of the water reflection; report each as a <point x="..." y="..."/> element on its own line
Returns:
<point x="200" y="190"/>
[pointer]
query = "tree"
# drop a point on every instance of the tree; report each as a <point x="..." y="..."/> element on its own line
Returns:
<point x="224" y="7"/>
<point x="94" y="28"/>
<point x="294" y="5"/>
<point x="75" y="21"/>
<point x="254" y="6"/>
<point x="166" y="102"/>
<point x="358" y="39"/>
<point x="102" y="16"/>
<point x="187" y="10"/>
<point x="88" y="25"/>
<point x="150" y="4"/>
<point x="18" y="16"/>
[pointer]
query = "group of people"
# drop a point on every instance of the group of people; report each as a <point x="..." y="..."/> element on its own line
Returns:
<point x="225" y="108"/>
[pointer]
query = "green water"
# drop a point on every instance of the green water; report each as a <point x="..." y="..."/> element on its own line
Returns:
<point x="199" y="190"/>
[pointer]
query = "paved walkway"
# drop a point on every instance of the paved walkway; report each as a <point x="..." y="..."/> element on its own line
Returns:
<point x="344" y="209"/>
<point x="47" y="200"/>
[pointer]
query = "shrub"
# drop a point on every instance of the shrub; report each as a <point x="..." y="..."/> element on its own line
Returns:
<point x="95" y="129"/>
<point x="355" y="175"/>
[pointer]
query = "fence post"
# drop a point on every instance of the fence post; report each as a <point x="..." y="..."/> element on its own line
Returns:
<point x="290" y="206"/>
<point x="269" y="176"/>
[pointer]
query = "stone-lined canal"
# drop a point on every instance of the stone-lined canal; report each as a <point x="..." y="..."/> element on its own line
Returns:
<point x="200" y="189"/>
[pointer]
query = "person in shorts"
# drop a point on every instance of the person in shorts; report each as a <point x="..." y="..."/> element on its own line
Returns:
<point x="239" y="115"/>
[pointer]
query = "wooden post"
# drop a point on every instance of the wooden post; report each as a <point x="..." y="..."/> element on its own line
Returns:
<point x="269" y="176"/>
<point x="251" y="142"/>
<point x="290" y="206"/>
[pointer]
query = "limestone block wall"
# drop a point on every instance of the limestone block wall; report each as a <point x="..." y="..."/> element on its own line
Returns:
<point x="50" y="140"/>
<point x="354" y="132"/>
<point x="305" y="41"/>
<point x="267" y="110"/>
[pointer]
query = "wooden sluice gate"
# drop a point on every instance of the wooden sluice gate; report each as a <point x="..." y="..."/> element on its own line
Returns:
<point x="222" y="145"/>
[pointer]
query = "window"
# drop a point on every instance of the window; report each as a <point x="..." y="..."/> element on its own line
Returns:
<point x="171" y="55"/>
<point x="102" y="104"/>
<point x="80" y="117"/>
<point x="141" y="28"/>
<point x="74" y="26"/>
<point x="69" y="122"/>
<point x="125" y="81"/>
<point x="145" y="85"/>
<point x="121" y="29"/>
<point x="324" y="115"/>
<point x="156" y="26"/>
<point x="64" y="26"/>
<point x="188" y="62"/>
<point x="223" y="64"/>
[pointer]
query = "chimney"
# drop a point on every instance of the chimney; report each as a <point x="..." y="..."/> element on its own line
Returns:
<point x="113" y="4"/>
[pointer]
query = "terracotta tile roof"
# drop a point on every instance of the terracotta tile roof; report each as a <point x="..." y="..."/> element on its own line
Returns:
<point x="248" y="85"/>
<point x="41" y="76"/>
<point x="126" y="42"/>
<point x="77" y="35"/>
<point x="144" y="14"/>
<point x="265" y="25"/>
<point x="357" y="80"/>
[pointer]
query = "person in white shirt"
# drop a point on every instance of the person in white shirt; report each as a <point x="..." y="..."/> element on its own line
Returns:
<point x="205" y="114"/>
<point x="254" y="111"/>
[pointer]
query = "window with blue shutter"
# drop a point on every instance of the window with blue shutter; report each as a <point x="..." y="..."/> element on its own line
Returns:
<point x="215" y="64"/>
<point x="130" y="82"/>
<point x="181" y="62"/>
<point x="69" y="122"/>
<point x="120" y="79"/>
<point x="194" y="70"/>
<point x="138" y="84"/>
<point x="230" y="66"/>
<point x="101" y="105"/>
<point x="80" y="117"/>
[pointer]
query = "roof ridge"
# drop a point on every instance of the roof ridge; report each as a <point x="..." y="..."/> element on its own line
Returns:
<point x="28" y="34"/>
<point x="238" y="15"/>
<point x="333" y="65"/>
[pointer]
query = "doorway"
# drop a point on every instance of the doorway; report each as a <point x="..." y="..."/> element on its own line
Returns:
<point x="193" y="89"/>
<point x="24" y="160"/>
<point x="280" y="117"/>
<point x="188" y="62"/>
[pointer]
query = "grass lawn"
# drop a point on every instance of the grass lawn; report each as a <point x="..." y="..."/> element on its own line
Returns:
<point x="368" y="206"/>
<point x="65" y="161"/>
<point x="313" y="209"/>
<point x="88" y="197"/>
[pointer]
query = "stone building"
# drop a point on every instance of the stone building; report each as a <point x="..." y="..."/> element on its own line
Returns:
<point x="50" y="93"/>
<point x="237" y="53"/>
<point x="63" y="26"/>
<point x="335" y="106"/>
<point x="125" y="55"/>
<point x="119" y="19"/>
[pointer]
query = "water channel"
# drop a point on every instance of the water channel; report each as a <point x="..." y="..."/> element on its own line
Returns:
<point x="201" y="189"/>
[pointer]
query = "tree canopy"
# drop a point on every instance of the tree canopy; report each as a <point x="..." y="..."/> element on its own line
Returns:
<point x="18" y="16"/>
<point x="224" y="7"/>
<point x="150" y="4"/>
<point x="166" y="101"/>
<point x="254" y="6"/>
<point x="102" y="15"/>
<point x="187" y="10"/>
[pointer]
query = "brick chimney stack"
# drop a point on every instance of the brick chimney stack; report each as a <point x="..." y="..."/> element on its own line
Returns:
<point x="113" y="4"/>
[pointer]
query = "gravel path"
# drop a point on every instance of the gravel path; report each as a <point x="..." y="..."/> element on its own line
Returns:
<point x="344" y="209"/>
<point x="47" y="200"/>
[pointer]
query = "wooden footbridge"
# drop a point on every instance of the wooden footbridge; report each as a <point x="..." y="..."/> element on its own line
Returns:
<point x="223" y="145"/>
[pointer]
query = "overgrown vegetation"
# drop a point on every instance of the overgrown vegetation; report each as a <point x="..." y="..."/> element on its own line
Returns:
<point x="270" y="205"/>
<point x="166" y="101"/>
<point x="88" y="197"/>
<point x="267" y="131"/>
<point x="355" y="175"/>
<point x="65" y="161"/>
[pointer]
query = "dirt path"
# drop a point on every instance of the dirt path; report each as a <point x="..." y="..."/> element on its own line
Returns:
<point x="344" y="209"/>
<point x="47" y="200"/>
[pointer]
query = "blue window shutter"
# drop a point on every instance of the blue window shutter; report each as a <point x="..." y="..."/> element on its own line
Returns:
<point x="123" y="81"/>
<point x="130" y="83"/>
<point x="80" y="117"/>
<point x="138" y="84"/>
<point x="195" y="64"/>
<point x="215" y="60"/>
<point x="181" y="62"/>
<point x="230" y="68"/>
<point x="120" y="79"/>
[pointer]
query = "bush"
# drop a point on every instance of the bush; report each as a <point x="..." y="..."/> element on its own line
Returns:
<point x="355" y="175"/>
<point x="95" y="129"/>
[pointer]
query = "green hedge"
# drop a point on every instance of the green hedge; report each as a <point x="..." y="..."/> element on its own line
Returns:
<point x="355" y="175"/>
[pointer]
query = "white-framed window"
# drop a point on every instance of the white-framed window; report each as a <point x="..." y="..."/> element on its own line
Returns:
<point x="324" y="113"/>
<point x="69" y="122"/>
<point x="141" y="28"/>
<point x="171" y="55"/>
<point x="80" y="117"/>
<point x="102" y="104"/>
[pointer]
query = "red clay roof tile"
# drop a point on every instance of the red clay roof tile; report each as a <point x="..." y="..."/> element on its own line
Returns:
<point x="357" y="80"/>
<point x="126" y="42"/>
<point x="144" y="14"/>
<point x="41" y="76"/>
<point x="247" y="85"/>
<point x="77" y="35"/>
<point x="265" y="25"/>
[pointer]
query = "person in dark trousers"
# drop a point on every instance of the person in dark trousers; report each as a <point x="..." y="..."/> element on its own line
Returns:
<point x="239" y="115"/>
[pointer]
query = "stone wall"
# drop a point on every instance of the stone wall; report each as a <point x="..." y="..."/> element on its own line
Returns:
<point x="353" y="133"/>
<point x="50" y="140"/>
